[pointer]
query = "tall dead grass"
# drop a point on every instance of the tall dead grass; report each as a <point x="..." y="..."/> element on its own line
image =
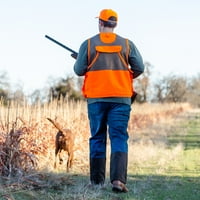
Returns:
<point x="36" y="136"/>
<point x="146" y="114"/>
<point x="27" y="138"/>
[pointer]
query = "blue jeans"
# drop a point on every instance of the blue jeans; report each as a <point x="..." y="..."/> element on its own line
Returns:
<point x="109" y="116"/>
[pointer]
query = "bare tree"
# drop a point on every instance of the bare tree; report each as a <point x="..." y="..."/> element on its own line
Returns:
<point x="65" y="87"/>
<point x="4" y="87"/>
<point x="171" y="88"/>
<point x="193" y="91"/>
<point x="142" y="84"/>
<point x="4" y="83"/>
<point x="160" y="90"/>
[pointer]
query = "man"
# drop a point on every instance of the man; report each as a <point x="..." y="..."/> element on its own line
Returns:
<point x="109" y="64"/>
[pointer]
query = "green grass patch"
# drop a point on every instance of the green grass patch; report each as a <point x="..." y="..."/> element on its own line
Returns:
<point x="187" y="133"/>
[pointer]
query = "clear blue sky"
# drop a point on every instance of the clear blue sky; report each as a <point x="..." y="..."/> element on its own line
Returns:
<point x="166" y="32"/>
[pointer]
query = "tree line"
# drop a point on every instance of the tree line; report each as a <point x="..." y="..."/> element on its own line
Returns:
<point x="164" y="89"/>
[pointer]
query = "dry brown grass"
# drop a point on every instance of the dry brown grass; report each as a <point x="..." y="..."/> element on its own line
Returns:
<point x="38" y="134"/>
<point x="26" y="134"/>
<point x="146" y="114"/>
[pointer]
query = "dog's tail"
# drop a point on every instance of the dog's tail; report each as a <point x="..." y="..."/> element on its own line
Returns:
<point x="55" y="124"/>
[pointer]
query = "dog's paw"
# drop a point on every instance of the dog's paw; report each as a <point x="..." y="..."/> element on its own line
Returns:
<point x="60" y="161"/>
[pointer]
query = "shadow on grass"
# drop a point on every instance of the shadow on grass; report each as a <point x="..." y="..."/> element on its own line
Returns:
<point x="58" y="186"/>
<point x="154" y="187"/>
<point x="188" y="133"/>
<point x="189" y="141"/>
<point x="75" y="186"/>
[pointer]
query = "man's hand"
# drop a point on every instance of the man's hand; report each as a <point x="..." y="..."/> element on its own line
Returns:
<point x="133" y="97"/>
<point x="74" y="55"/>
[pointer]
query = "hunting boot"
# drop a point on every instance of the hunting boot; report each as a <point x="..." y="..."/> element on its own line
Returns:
<point x="97" y="170"/>
<point x="118" y="171"/>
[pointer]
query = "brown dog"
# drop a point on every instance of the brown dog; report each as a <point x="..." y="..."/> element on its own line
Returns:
<point x="64" y="141"/>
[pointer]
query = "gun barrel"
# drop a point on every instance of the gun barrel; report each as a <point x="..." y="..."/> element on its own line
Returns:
<point x="62" y="45"/>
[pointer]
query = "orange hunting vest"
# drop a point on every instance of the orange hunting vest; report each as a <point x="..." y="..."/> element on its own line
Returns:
<point x="108" y="73"/>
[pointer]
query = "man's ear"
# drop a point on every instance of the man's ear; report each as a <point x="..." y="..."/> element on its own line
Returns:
<point x="101" y="23"/>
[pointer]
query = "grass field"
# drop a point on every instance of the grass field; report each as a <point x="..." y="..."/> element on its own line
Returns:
<point x="170" y="164"/>
<point x="164" y="162"/>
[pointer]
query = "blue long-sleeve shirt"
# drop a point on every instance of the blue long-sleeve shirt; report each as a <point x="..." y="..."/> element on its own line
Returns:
<point x="135" y="61"/>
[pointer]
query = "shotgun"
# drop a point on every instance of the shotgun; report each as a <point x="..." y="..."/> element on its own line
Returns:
<point x="74" y="53"/>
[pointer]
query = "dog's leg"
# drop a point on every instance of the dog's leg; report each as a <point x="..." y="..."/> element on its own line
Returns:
<point x="60" y="159"/>
<point x="56" y="152"/>
<point x="69" y="161"/>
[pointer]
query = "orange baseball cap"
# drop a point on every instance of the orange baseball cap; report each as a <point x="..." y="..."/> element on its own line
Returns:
<point x="108" y="15"/>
